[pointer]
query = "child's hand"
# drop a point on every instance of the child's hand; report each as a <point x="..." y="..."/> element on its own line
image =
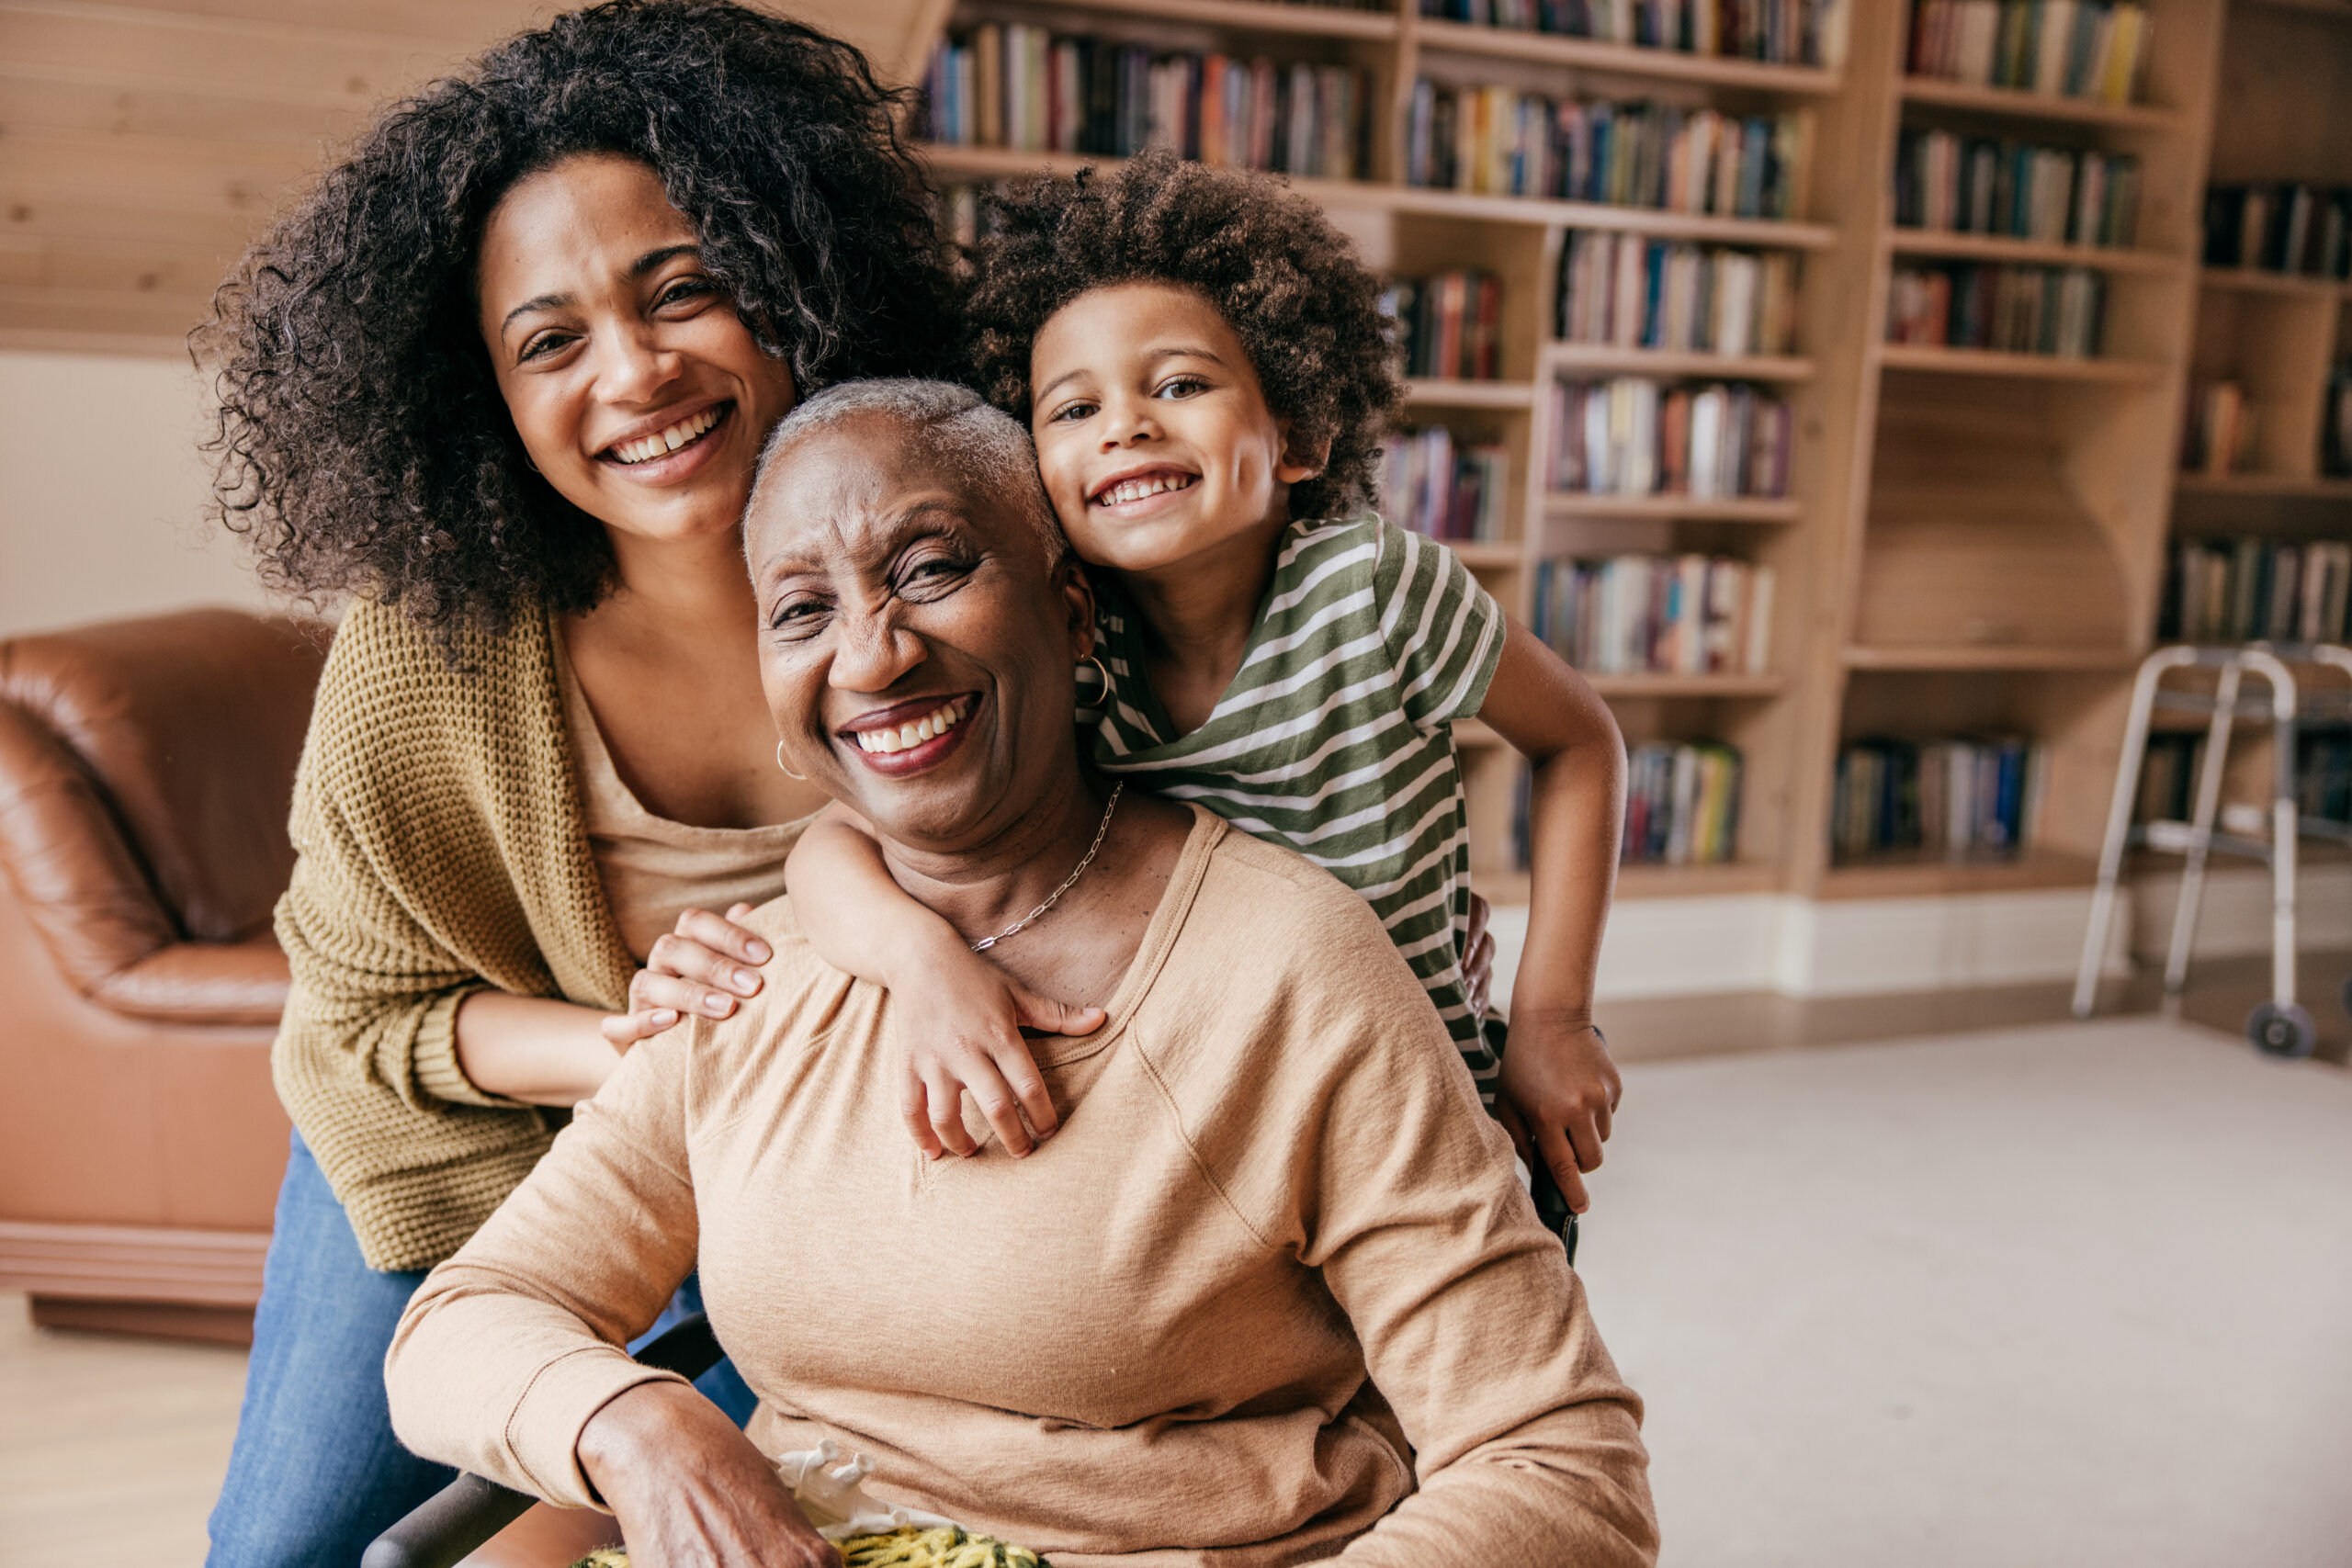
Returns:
<point x="1560" y="1086"/>
<point x="701" y="966"/>
<point x="960" y="1033"/>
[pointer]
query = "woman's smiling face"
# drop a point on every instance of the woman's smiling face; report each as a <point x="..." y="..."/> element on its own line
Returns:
<point x="917" y="643"/>
<point x="638" y="393"/>
<point x="1153" y="434"/>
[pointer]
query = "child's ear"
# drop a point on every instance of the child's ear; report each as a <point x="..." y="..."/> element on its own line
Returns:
<point x="1301" y="460"/>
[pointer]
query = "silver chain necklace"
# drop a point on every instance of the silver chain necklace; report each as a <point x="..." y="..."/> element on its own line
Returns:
<point x="1018" y="926"/>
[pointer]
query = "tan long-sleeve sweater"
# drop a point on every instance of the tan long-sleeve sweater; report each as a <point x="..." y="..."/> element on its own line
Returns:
<point x="1156" y="1341"/>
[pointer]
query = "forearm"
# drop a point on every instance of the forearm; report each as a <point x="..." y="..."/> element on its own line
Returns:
<point x="1568" y="1487"/>
<point x="857" y="918"/>
<point x="1576" y="822"/>
<point x="532" y="1049"/>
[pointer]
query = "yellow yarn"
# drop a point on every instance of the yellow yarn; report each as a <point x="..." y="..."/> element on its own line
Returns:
<point x="940" y="1547"/>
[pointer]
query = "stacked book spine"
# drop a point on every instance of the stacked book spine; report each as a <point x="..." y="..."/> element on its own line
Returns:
<point x="2241" y="590"/>
<point x="1682" y="804"/>
<point x="1688" y="615"/>
<point x="1031" y="90"/>
<point x="1434" y="482"/>
<point x="1963" y="797"/>
<point x="1501" y="141"/>
<point x="2217" y="428"/>
<point x="2009" y="310"/>
<point x="2073" y="49"/>
<point x="1780" y="32"/>
<point x="2323" y="774"/>
<point x="1630" y="291"/>
<point x="1629" y="435"/>
<point x="2336" y="428"/>
<point x="1448" y="327"/>
<point x="1976" y="185"/>
<point x="2300" y="229"/>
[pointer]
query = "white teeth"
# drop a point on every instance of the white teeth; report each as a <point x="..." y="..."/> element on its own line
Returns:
<point x="937" y="722"/>
<point x="662" y="442"/>
<point x="1136" y="490"/>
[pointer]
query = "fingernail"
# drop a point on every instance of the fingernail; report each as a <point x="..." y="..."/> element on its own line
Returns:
<point x="746" y="979"/>
<point x="665" y="1017"/>
<point x="758" y="951"/>
<point x="718" y="1007"/>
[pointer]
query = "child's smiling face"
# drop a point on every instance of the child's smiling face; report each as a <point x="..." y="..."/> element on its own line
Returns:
<point x="1153" y="434"/>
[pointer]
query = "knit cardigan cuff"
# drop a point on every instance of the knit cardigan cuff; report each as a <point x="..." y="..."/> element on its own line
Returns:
<point x="432" y="1056"/>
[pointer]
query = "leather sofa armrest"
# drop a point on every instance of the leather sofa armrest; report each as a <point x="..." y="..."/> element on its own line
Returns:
<point x="202" y="983"/>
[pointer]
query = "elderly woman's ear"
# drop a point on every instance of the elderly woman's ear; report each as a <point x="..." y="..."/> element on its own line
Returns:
<point x="1077" y="597"/>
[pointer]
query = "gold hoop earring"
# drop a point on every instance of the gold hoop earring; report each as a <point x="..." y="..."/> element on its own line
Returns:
<point x="1102" y="675"/>
<point x="788" y="773"/>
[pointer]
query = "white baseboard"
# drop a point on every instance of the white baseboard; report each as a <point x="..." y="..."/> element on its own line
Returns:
<point x="2234" y="917"/>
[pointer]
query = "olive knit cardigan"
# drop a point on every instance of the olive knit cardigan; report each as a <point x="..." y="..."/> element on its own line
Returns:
<point x="440" y="851"/>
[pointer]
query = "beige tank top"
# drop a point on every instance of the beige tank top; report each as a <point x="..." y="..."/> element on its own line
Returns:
<point x="654" y="869"/>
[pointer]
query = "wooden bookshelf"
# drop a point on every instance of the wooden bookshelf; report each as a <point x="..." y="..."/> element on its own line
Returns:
<point x="1973" y="541"/>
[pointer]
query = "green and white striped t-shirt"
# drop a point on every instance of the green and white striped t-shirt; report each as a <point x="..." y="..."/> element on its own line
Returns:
<point x="1332" y="739"/>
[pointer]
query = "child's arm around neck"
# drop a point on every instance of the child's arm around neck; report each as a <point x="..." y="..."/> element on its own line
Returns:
<point x="1556" y="1074"/>
<point x="957" y="1018"/>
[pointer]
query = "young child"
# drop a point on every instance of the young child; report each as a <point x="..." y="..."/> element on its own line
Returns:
<point x="1204" y="366"/>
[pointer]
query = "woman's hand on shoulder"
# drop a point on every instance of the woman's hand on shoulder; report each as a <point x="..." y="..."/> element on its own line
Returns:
<point x="704" y="966"/>
<point x="687" y="1488"/>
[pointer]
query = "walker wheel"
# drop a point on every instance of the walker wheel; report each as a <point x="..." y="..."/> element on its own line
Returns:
<point x="2278" y="1031"/>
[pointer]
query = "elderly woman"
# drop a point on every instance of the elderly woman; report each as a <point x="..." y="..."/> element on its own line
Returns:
<point x="1274" y="1295"/>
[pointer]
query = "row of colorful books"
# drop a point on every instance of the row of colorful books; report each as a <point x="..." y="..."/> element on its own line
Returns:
<point x="1682" y="804"/>
<point x="1632" y="436"/>
<point x="2073" y="49"/>
<point x="1633" y="292"/>
<point x="2323" y="774"/>
<point x="1449" y="326"/>
<point x="1981" y="184"/>
<point x="2243" y="590"/>
<point x="1500" y="141"/>
<point x="2298" y="229"/>
<point x="2010" y="310"/>
<point x="1781" y="32"/>
<point x="1033" y="90"/>
<point x="2217" y="428"/>
<point x="1632" y="615"/>
<point x="1959" y="796"/>
<point x="1435" y="482"/>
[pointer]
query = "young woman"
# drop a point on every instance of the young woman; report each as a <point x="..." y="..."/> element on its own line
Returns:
<point x="501" y="378"/>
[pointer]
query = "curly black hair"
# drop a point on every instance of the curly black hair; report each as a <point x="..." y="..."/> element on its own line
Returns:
<point x="1303" y="303"/>
<point x="362" y="442"/>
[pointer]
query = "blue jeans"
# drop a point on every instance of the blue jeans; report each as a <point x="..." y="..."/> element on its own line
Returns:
<point x="316" y="1473"/>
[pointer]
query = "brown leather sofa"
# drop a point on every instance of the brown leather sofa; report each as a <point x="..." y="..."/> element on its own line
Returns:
<point x="146" y="769"/>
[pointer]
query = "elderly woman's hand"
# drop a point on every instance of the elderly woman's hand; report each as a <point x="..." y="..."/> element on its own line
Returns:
<point x="688" y="1489"/>
<point x="702" y="966"/>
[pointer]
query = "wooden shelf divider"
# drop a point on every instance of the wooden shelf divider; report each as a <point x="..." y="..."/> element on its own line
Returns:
<point x="1631" y="60"/>
<point x="1933" y="244"/>
<point x="2016" y="103"/>
<point x="1609" y="359"/>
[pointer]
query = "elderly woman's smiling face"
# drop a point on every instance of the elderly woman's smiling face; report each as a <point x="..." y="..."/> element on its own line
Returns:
<point x="918" y="642"/>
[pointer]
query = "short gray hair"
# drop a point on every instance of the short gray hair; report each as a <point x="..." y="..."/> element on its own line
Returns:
<point x="980" y="440"/>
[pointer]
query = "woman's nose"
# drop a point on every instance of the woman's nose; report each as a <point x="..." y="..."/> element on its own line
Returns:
<point x="874" y="653"/>
<point x="635" y="367"/>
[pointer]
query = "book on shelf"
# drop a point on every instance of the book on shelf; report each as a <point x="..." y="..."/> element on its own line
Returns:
<point x="1682" y="804"/>
<point x="1963" y="797"/>
<point x="1780" y="32"/>
<point x="2294" y="228"/>
<point x="1979" y="185"/>
<point x="2217" y="428"/>
<point x="1500" y="141"/>
<point x="1033" y="90"/>
<point x="2323" y="772"/>
<point x="2249" y="590"/>
<point x="2168" y="776"/>
<point x="1434" y="482"/>
<point x="1634" y="614"/>
<point x="1630" y="291"/>
<point x="1633" y="436"/>
<point x="2336" y="427"/>
<point x="2008" y="310"/>
<point x="1449" y="327"/>
<point x="2071" y="48"/>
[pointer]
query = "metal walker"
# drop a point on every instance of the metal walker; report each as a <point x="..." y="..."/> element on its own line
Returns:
<point x="2278" y="1026"/>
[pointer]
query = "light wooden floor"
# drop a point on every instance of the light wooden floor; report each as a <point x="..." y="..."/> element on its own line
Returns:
<point x="110" y="1449"/>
